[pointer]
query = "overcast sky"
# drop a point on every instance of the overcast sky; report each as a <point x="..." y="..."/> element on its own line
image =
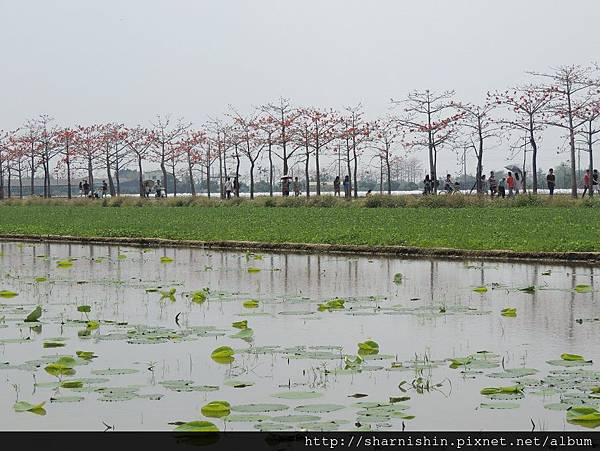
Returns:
<point x="85" y="61"/>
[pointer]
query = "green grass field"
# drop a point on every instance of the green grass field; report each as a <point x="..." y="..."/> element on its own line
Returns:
<point x="531" y="228"/>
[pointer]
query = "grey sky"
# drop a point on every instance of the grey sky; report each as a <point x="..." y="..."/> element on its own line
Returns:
<point x="91" y="61"/>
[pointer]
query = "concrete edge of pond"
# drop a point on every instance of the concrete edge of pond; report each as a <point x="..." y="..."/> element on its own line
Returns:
<point x="588" y="258"/>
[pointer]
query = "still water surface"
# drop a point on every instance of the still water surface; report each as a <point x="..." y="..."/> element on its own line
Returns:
<point x="429" y="316"/>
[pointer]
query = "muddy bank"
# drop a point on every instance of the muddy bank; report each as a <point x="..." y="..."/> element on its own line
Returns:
<point x="589" y="258"/>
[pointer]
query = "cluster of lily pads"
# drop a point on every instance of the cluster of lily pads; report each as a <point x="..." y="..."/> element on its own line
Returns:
<point x="570" y="380"/>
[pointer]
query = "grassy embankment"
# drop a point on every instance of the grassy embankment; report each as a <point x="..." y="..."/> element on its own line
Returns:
<point x="527" y="224"/>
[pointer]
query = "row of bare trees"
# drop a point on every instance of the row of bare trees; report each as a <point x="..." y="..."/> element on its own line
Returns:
<point x="567" y="98"/>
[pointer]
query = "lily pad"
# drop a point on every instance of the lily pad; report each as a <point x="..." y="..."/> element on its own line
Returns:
<point x="254" y="408"/>
<point x="297" y="395"/>
<point x="197" y="426"/>
<point x="319" y="408"/>
<point x="216" y="409"/>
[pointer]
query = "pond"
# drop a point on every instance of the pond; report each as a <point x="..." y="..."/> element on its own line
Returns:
<point x="126" y="336"/>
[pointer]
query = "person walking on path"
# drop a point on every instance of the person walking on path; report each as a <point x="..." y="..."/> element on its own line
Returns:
<point x="86" y="188"/>
<point x="336" y="186"/>
<point x="586" y="183"/>
<point x="80" y="189"/>
<point x="158" y="188"/>
<point x="104" y="188"/>
<point x="296" y="187"/>
<point x="483" y="185"/>
<point x="595" y="179"/>
<point x="551" y="181"/>
<point x="502" y="188"/>
<point x="510" y="183"/>
<point x="448" y="185"/>
<point x="493" y="183"/>
<point x="427" y="185"/>
<point x="347" y="187"/>
<point x="228" y="187"/>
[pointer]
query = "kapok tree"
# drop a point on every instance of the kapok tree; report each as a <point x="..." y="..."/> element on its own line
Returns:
<point x="355" y="132"/>
<point x="16" y="159"/>
<point x="573" y="89"/>
<point x="387" y="133"/>
<point x="190" y="146"/>
<point x="479" y="128"/>
<point x="590" y="131"/>
<point x="284" y="115"/>
<point x="431" y="119"/>
<point x="139" y="140"/>
<point x="529" y="107"/>
<point x="321" y="128"/>
<point x="64" y="139"/>
<point x="165" y="132"/>
<point x="269" y="128"/>
<point x="88" y="151"/>
<point x="250" y="144"/>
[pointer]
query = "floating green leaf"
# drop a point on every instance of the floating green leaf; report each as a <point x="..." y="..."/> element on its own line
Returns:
<point x="166" y="260"/>
<point x="240" y="324"/>
<point x="34" y="315"/>
<point x="502" y="390"/>
<point x="572" y="357"/>
<point x="223" y="351"/>
<point x="64" y="264"/>
<point x="86" y="355"/>
<point x="23" y="406"/>
<point x="368" y="347"/>
<point x="480" y="290"/>
<point x="334" y="304"/>
<point x="71" y="384"/>
<point x="250" y="303"/>
<point x="199" y="297"/>
<point x="253" y="269"/>
<point x="8" y="294"/>
<point x="583" y="288"/>
<point x="53" y="344"/>
<point x="197" y="426"/>
<point x="297" y="395"/>
<point x="84" y="308"/>
<point x="510" y="312"/>
<point x="253" y="408"/>
<point x="584" y="416"/>
<point x="216" y="409"/>
<point x="398" y="278"/>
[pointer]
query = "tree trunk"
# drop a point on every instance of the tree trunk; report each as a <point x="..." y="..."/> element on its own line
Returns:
<point x="389" y="173"/>
<point x="270" y="168"/>
<point x="174" y="180"/>
<point x="117" y="170"/>
<point x="590" y="150"/>
<point x="355" y="171"/>
<point x="191" y="175"/>
<point x="111" y="185"/>
<point x="90" y="174"/>
<point x="572" y="146"/>
<point x="251" y="179"/>
<point x="237" y="171"/>
<point x="163" y="169"/>
<point x="533" y="158"/>
<point x="68" y="161"/>
<point x="141" y="176"/>
<point x="306" y="171"/>
<point x="32" y="170"/>
<point x="221" y="192"/>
